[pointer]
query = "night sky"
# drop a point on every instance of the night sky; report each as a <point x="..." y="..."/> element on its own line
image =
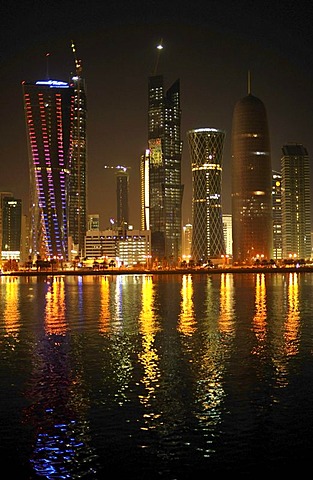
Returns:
<point x="209" y="46"/>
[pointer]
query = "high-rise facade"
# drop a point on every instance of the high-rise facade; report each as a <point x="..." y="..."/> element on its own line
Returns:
<point x="49" y="114"/>
<point x="164" y="169"/>
<point x="77" y="188"/>
<point x="122" y="191"/>
<point x="296" y="204"/>
<point x="277" y="216"/>
<point x="206" y="147"/>
<point x="251" y="182"/>
<point x="11" y="228"/>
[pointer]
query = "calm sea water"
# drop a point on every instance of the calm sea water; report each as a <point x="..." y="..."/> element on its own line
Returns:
<point x="156" y="377"/>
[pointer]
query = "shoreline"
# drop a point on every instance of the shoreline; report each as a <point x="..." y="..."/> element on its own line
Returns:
<point x="176" y="271"/>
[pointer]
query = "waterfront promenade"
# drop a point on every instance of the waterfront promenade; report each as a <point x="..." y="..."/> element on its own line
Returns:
<point x="165" y="271"/>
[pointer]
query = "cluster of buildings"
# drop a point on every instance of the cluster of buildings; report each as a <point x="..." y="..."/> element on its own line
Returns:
<point x="270" y="217"/>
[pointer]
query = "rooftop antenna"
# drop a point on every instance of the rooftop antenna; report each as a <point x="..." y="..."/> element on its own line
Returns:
<point x="249" y="82"/>
<point x="159" y="49"/>
<point x="47" y="64"/>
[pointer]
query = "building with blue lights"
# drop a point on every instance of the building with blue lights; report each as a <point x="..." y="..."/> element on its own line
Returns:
<point x="49" y="113"/>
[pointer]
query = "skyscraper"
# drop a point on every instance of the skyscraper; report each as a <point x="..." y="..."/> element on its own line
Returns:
<point x="206" y="147"/>
<point x="11" y="227"/>
<point x="122" y="189"/>
<point x="277" y="216"/>
<point x="165" y="188"/>
<point x="77" y="189"/>
<point x="251" y="182"/>
<point x="49" y="113"/>
<point x="296" y="204"/>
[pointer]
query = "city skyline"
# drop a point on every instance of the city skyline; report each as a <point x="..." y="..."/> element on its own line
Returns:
<point x="212" y="64"/>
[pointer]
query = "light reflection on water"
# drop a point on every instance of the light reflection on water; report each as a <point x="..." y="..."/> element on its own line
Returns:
<point x="162" y="376"/>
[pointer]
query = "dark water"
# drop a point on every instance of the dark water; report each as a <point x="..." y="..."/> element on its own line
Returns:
<point x="165" y="377"/>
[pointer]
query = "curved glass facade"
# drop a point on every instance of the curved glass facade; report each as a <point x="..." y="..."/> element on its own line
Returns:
<point x="251" y="182"/>
<point x="206" y="147"/>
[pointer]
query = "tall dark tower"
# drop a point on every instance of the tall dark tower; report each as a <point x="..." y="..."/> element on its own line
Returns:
<point x="296" y="202"/>
<point x="252" y="222"/>
<point x="77" y="189"/>
<point x="49" y="110"/>
<point x="122" y="190"/>
<point x="165" y="188"/>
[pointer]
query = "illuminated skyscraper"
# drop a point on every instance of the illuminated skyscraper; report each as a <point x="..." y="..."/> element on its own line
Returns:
<point x="165" y="188"/>
<point x="77" y="189"/>
<point x="49" y="113"/>
<point x="11" y="227"/>
<point x="277" y="216"/>
<point x="206" y="147"/>
<point x="251" y="182"/>
<point x="296" y="203"/>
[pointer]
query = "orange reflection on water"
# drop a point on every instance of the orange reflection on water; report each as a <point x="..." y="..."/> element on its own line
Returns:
<point x="55" y="322"/>
<point x="292" y="323"/>
<point x="187" y="323"/>
<point x="260" y="316"/>
<point x="226" y="317"/>
<point x="104" y="318"/>
<point x="148" y="356"/>
<point x="11" y="313"/>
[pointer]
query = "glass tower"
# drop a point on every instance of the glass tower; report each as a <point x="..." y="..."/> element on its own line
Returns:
<point x="165" y="188"/>
<point x="277" y="216"/>
<point x="11" y="227"/>
<point x="296" y="203"/>
<point x="122" y="190"/>
<point x="251" y="182"/>
<point x="206" y="147"/>
<point x="77" y="189"/>
<point x="49" y="113"/>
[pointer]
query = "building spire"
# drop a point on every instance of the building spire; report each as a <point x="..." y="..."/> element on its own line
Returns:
<point x="47" y="64"/>
<point x="78" y="64"/>
<point x="249" y="82"/>
<point x="159" y="48"/>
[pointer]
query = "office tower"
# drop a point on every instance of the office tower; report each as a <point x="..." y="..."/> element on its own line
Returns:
<point x="206" y="147"/>
<point x="277" y="216"/>
<point x="49" y="112"/>
<point x="296" y="205"/>
<point x="122" y="191"/>
<point x="3" y="194"/>
<point x="251" y="182"/>
<point x="11" y="228"/>
<point x="228" y="234"/>
<point x="186" y="242"/>
<point x="94" y="221"/>
<point x="145" y="191"/>
<point x="164" y="169"/>
<point x="77" y="188"/>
